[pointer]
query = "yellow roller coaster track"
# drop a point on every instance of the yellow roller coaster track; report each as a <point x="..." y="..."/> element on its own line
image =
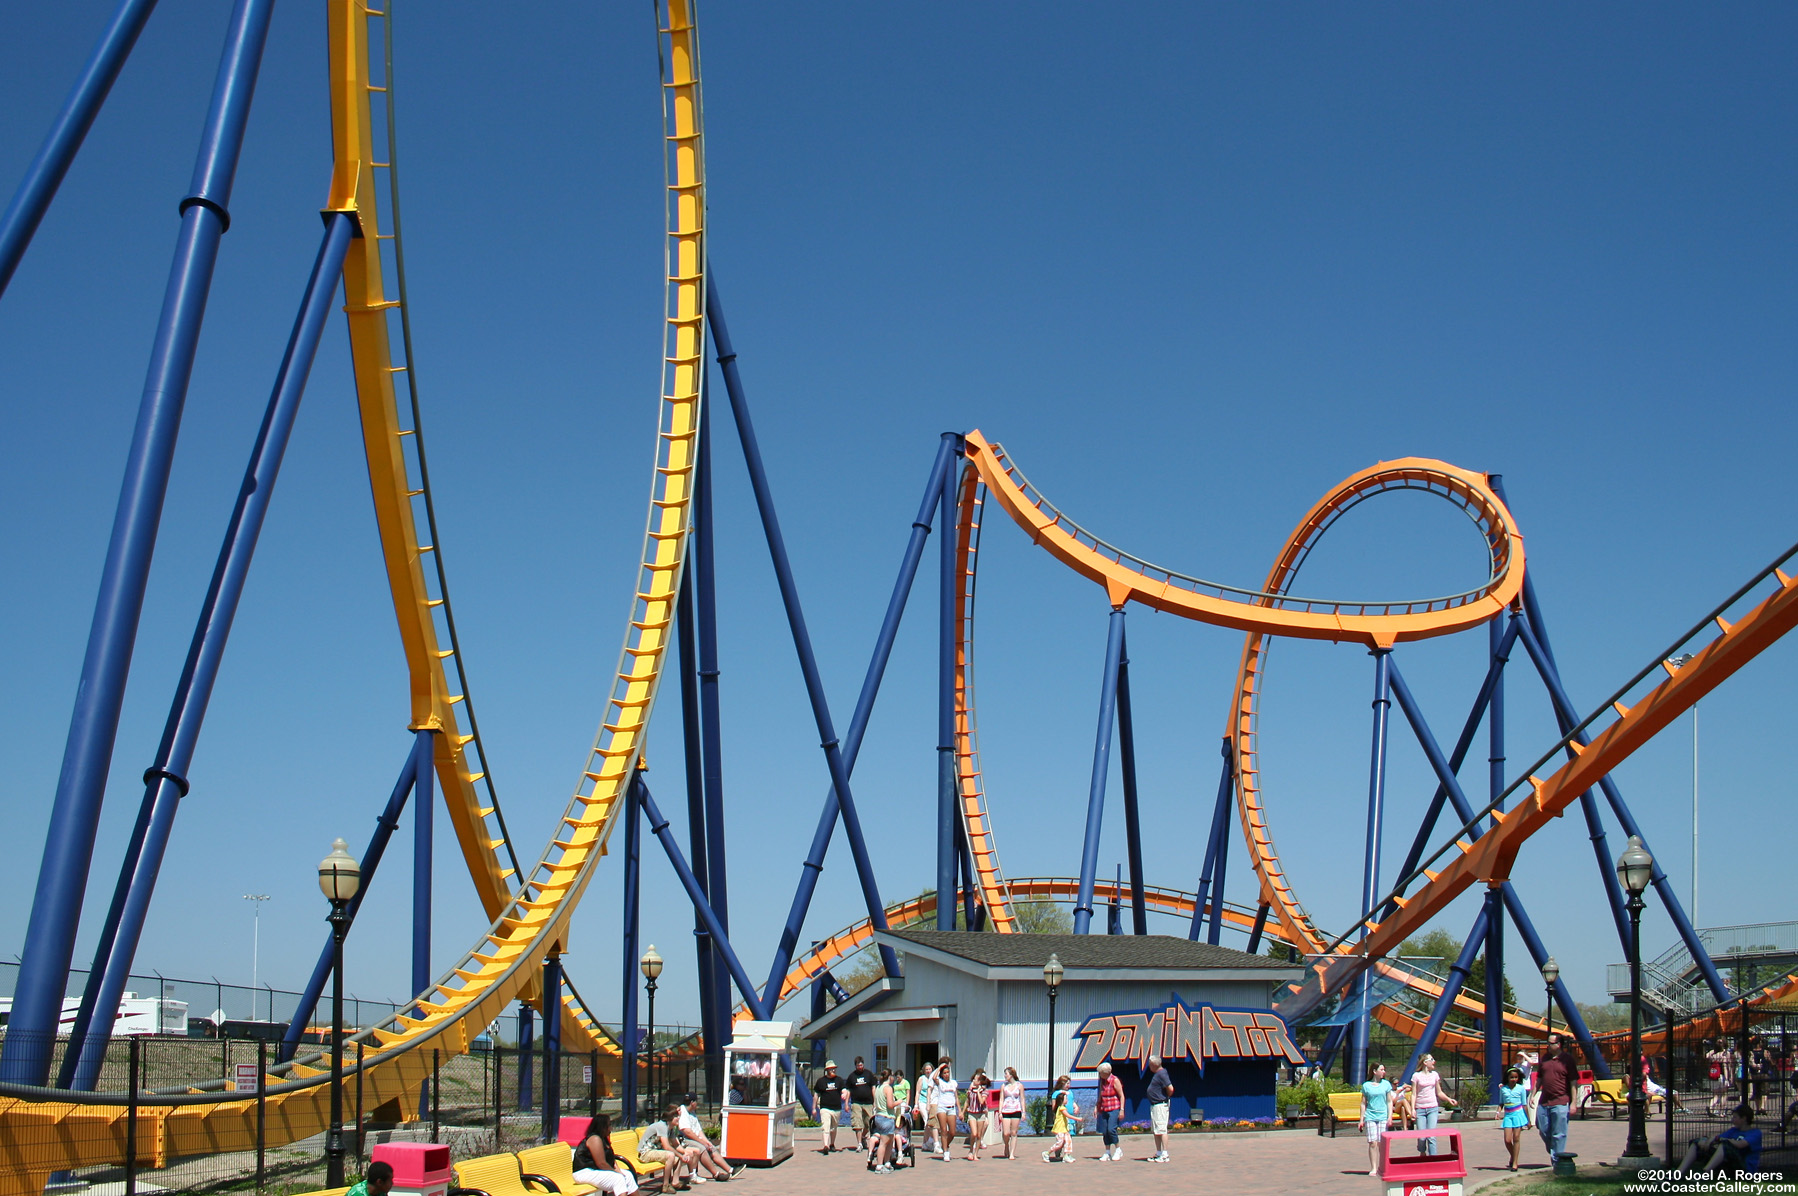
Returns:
<point x="38" y="1136"/>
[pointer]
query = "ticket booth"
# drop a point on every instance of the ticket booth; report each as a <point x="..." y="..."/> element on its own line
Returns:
<point x="759" y="1106"/>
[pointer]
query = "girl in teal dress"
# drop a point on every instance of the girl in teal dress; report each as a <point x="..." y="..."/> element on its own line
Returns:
<point x="1513" y="1094"/>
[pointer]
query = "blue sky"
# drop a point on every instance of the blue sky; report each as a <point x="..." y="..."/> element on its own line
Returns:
<point x="1192" y="266"/>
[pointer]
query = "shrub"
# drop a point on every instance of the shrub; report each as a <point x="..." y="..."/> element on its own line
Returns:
<point x="1472" y="1092"/>
<point x="1039" y="1114"/>
<point x="1312" y="1093"/>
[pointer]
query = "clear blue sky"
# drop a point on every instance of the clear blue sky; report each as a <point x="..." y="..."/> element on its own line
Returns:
<point x="1193" y="264"/>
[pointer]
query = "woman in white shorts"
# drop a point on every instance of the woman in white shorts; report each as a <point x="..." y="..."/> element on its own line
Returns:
<point x="1376" y="1111"/>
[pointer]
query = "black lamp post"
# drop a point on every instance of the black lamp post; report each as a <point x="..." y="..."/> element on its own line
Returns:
<point x="339" y="877"/>
<point x="651" y="964"/>
<point x="1551" y="972"/>
<point x="1635" y="868"/>
<point x="1052" y="972"/>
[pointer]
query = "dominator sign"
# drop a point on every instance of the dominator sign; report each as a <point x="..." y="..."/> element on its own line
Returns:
<point x="1178" y="1031"/>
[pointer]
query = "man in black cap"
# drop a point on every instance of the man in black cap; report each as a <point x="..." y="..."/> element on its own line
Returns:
<point x="828" y="1095"/>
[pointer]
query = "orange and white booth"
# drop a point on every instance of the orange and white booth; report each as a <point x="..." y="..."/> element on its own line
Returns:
<point x="759" y="1108"/>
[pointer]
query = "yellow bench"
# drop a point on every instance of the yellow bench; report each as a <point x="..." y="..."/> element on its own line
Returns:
<point x="552" y="1164"/>
<point x="1611" y="1092"/>
<point x="624" y="1145"/>
<point x="493" y="1174"/>
<point x="1343" y="1106"/>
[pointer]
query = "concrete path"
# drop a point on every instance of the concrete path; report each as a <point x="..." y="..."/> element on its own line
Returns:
<point x="1284" y="1162"/>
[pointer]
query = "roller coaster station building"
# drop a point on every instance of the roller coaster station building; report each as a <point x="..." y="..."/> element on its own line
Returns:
<point x="981" y="999"/>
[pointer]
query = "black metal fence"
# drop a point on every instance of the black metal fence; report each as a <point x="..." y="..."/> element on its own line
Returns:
<point x="486" y="1101"/>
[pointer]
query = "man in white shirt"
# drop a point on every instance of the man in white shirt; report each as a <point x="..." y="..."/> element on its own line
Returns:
<point x="693" y="1135"/>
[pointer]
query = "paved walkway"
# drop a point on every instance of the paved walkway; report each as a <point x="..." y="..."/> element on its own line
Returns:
<point x="1285" y="1162"/>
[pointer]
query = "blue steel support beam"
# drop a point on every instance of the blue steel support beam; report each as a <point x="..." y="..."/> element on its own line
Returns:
<point x="1543" y="659"/>
<point x="1464" y="810"/>
<point x="1457" y="977"/>
<point x="1495" y="922"/>
<point x="552" y="1044"/>
<point x="1463" y="745"/>
<point x="1219" y="871"/>
<point x="1139" y="910"/>
<point x="762" y="1007"/>
<point x="711" y="747"/>
<point x="385" y="825"/>
<point x="45" y="174"/>
<point x="422" y="855"/>
<point x="93" y="726"/>
<point x="948" y="614"/>
<point x="633" y="893"/>
<point x="527" y="1052"/>
<point x="967" y="886"/>
<point x="696" y="823"/>
<point x="1220" y="816"/>
<point x="858" y="722"/>
<point x="165" y="781"/>
<point x="802" y="640"/>
<point x="1370" y="871"/>
<point x="1095" y="797"/>
<point x="1260" y="925"/>
<point x="1114" y="913"/>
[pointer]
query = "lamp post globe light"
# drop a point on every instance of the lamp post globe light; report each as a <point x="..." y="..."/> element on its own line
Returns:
<point x="651" y="965"/>
<point x="1551" y="972"/>
<point x="339" y="878"/>
<point x="1052" y="973"/>
<point x="1635" y="868"/>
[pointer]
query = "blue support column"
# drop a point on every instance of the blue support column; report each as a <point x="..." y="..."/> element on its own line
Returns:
<point x="696" y="828"/>
<point x="802" y="640"/>
<point x="1219" y="871"/>
<point x="1495" y="922"/>
<point x="552" y="1044"/>
<point x="422" y="852"/>
<point x="1463" y="745"/>
<point x="93" y="726"/>
<point x="165" y="781"/>
<point x="1139" y="910"/>
<point x="1370" y="872"/>
<point x="1220" y="821"/>
<point x="632" y="903"/>
<point x="385" y="825"/>
<point x="966" y="885"/>
<point x="1095" y="797"/>
<point x="1114" y="915"/>
<point x="527" y="1050"/>
<point x="864" y="708"/>
<point x="948" y="614"/>
<point x="45" y="174"/>
<point x="711" y="749"/>
<point x="1464" y="810"/>
<point x="1259" y="927"/>
<point x="1457" y="976"/>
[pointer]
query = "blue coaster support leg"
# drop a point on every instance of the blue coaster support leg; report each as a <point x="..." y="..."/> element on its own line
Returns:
<point x="165" y="781"/>
<point x="1139" y="910"/>
<point x="1495" y="922"/>
<point x="552" y="1044"/>
<point x="93" y="725"/>
<point x="1095" y="798"/>
<point x="696" y="825"/>
<point x="712" y="752"/>
<point x="948" y="821"/>
<point x="802" y="640"/>
<point x="385" y="826"/>
<point x="1219" y="872"/>
<point x="45" y="174"/>
<point x="864" y="709"/>
<point x="632" y="904"/>
<point x="527" y="1054"/>
<point x="1370" y="872"/>
<point x="1220" y="822"/>
<point x="1259" y="927"/>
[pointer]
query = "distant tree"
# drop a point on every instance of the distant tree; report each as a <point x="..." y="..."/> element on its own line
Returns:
<point x="1610" y="1016"/>
<point x="1042" y="917"/>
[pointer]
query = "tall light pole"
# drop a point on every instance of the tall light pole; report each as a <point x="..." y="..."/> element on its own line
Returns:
<point x="1052" y="972"/>
<point x="1635" y="868"/>
<point x="651" y="965"/>
<point x="339" y="877"/>
<point x="1680" y="662"/>
<point x="256" y="900"/>
<point x="1551" y="972"/>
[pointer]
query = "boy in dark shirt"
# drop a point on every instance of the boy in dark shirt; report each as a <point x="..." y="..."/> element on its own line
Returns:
<point x="1737" y="1148"/>
<point x="827" y="1103"/>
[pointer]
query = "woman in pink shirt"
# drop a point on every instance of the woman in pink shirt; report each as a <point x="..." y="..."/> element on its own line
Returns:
<point x="1011" y="1110"/>
<point x="1427" y="1098"/>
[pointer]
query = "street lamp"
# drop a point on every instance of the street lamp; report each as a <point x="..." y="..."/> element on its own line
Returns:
<point x="651" y="964"/>
<point x="256" y="951"/>
<point x="1680" y="662"/>
<point x="1551" y="972"/>
<point x="339" y="877"/>
<point x="1052" y="972"/>
<point x="1635" y="868"/>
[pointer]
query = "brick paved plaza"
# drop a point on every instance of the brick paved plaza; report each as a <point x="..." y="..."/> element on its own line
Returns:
<point x="1251" y="1164"/>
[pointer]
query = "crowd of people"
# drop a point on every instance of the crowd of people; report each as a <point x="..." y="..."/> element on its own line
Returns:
<point x="887" y="1112"/>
